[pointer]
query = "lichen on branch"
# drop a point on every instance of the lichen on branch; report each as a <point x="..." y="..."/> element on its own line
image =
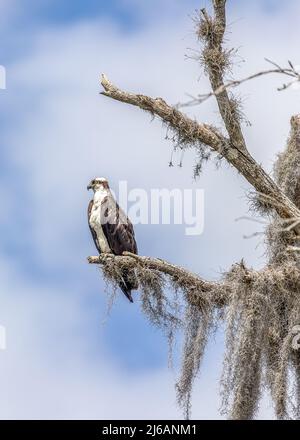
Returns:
<point x="259" y="309"/>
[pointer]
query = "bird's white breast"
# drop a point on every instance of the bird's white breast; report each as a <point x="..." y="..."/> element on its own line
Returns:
<point x="95" y="220"/>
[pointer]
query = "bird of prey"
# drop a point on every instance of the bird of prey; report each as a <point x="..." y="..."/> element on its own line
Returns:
<point x="111" y="229"/>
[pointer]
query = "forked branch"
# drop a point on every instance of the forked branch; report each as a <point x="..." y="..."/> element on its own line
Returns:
<point x="290" y="71"/>
<point x="194" y="132"/>
<point x="216" y="60"/>
<point x="261" y="307"/>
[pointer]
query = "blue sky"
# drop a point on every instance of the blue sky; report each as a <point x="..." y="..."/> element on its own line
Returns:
<point x="57" y="133"/>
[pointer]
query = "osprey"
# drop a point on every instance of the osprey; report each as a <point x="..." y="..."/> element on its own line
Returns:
<point x="111" y="229"/>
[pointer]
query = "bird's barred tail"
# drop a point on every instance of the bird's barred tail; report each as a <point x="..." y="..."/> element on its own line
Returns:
<point x="128" y="283"/>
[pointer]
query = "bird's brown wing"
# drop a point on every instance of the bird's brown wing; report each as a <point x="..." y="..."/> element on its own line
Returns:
<point x="119" y="234"/>
<point x="118" y="229"/>
<point x="94" y="235"/>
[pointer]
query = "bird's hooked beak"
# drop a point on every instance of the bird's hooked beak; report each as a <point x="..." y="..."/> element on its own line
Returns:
<point x="90" y="186"/>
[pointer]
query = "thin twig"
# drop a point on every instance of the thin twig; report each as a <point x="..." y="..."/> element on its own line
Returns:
<point x="235" y="83"/>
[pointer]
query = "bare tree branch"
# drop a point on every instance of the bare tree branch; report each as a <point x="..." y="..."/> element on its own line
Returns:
<point x="292" y="72"/>
<point x="219" y="292"/>
<point x="260" y="308"/>
<point x="190" y="129"/>
<point x="215" y="60"/>
<point x="195" y="289"/>
<point x="172" y="270"/>
<point x="194" y="132"/>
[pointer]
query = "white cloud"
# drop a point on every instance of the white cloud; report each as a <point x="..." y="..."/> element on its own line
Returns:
<point x="8" y="10"/>
<point x="66" y="135"/>
<point x="46" y="372"/>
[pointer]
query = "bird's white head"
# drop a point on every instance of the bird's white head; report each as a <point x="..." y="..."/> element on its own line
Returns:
<point x="99" y="183"/>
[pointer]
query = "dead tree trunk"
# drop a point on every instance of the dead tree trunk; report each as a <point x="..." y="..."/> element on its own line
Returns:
<point x="260" y="308"/>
